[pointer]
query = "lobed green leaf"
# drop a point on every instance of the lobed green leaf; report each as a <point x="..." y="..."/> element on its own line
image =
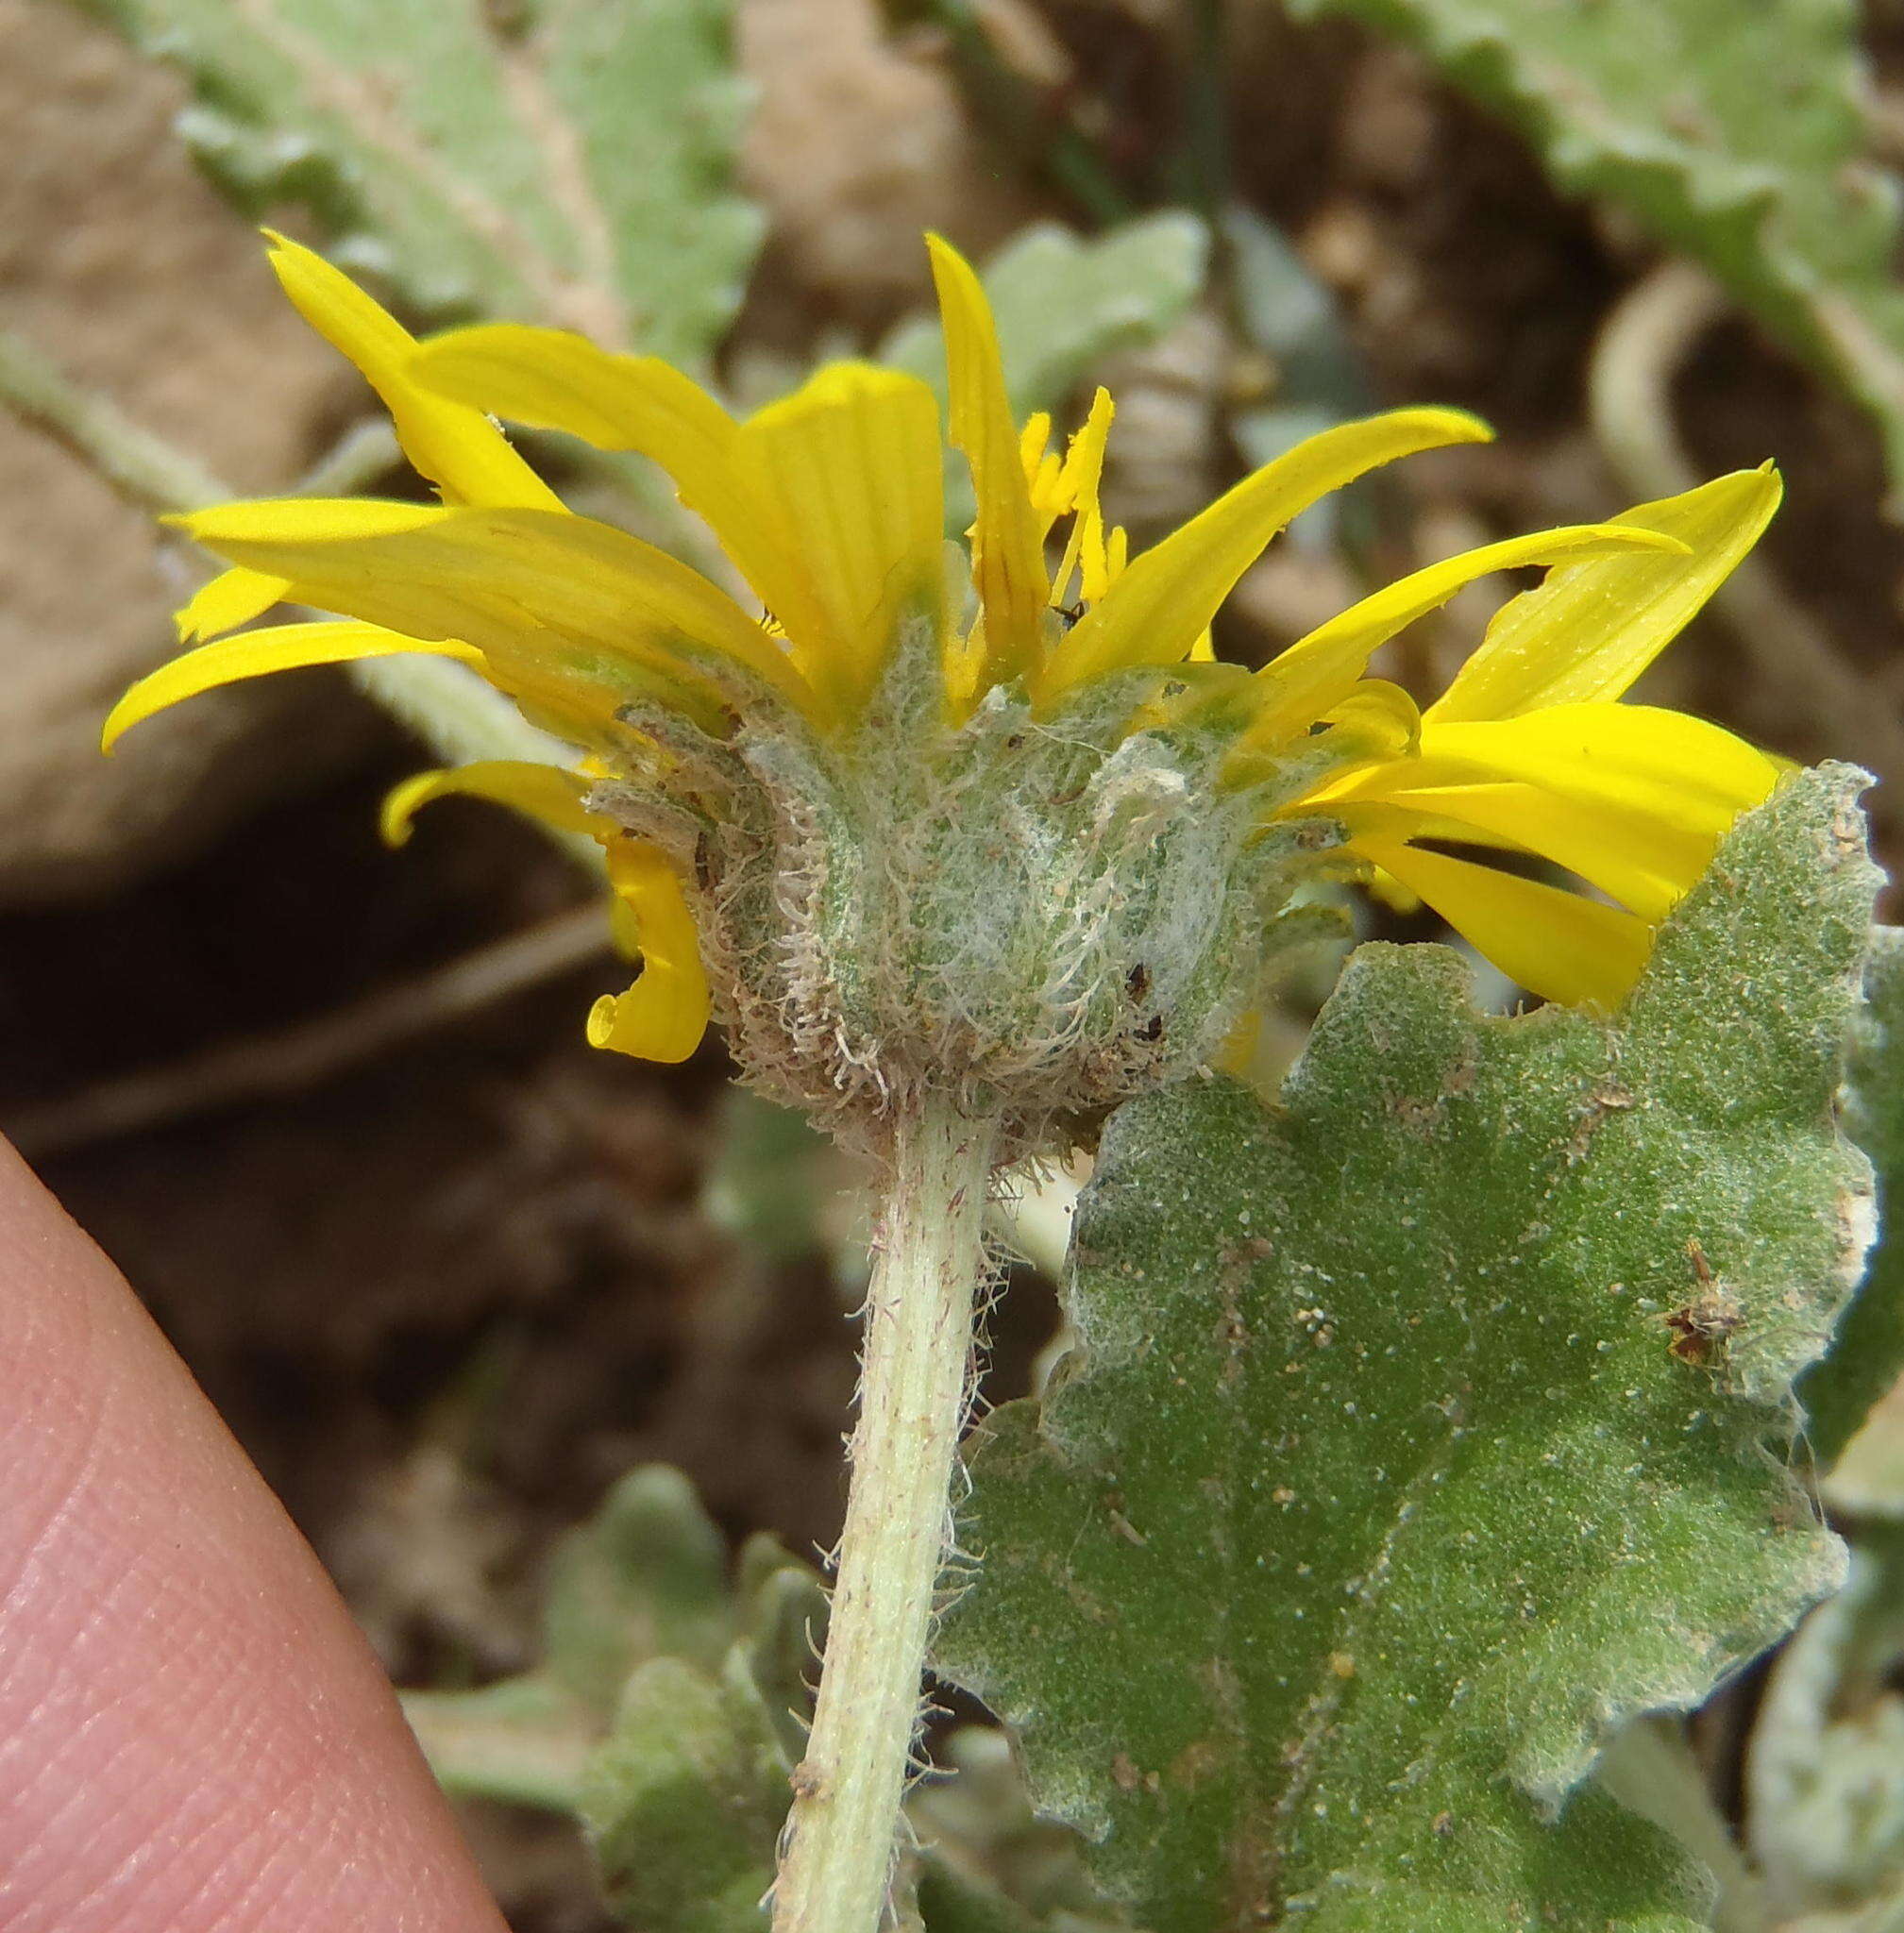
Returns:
<point x="1378" y="1491"/>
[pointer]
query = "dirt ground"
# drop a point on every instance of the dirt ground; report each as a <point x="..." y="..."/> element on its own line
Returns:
<point x="445" y="1294"/>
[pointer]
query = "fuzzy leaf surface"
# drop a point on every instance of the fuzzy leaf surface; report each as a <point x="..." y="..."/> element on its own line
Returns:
<point x="646" y="1577"/>
<point x="684" y="1801"/>
<point x="558" y="161"/>
<point x="1376" y="1493"/>
<point x="1735" y="132"/>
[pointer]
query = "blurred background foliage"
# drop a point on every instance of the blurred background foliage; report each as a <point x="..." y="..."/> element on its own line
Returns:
<point x="449" y="1275"/>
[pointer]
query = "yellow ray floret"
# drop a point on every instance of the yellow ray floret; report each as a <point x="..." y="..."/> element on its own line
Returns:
<point x="1589" y="633"/>
<point x="1555" y="943"/>
<point x="233" y="598"/>
<point x="1319" y="670"/>
<point x="253" y="653"/>
<point x="665" y="1014"/>
<point x="550" y="379"/>
<point x="1008" y="559"/>
<point x="457" y="448"/>
<point x="514" y="583"/>
<point x="853" y="461"/>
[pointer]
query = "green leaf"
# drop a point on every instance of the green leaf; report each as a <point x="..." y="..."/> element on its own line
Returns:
<point x="682" y="1802"/>
<point x="646" y="1577"/>
<point x="666" y="1714"/>
<point x="1867" y="1351"/>
<point x="1734" y="131"/>
<point x="537" y="159"/>
<point x="526" y="1741"/>
<point x="1378" y="1493"/>
<point x="1824" y="1780"/>
<point x="685" y="1801"/>
<point x="770" y="1184"/>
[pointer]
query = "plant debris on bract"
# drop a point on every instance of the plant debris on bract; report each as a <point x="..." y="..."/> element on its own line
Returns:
<point x="1378" y="1491"/>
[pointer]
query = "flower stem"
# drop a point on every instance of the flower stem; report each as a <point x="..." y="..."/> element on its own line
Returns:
<point x="836" y="1866"/>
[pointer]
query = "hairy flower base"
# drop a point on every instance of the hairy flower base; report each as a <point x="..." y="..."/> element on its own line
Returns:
<point x="1036" y="916"/>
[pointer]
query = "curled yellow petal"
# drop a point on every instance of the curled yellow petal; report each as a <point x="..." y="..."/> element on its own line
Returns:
<point x="551" y="795"/>
<point x="664" y="1015"/>
<point x="1555" y="943"/>
<point x="252" y="653"/>
<point x="1155" y="610"/>
<point x="1591" y="627"/>
<point x="853" y="458"/>
<point x="457" y="447"/>
<point x="1008" y="559"/>
<point x="1298" y="686"/>
<point x="552" y="379"/>
<point x="233" y="598"/>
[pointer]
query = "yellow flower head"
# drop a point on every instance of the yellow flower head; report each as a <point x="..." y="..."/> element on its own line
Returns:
<point x="1003" y="824"/>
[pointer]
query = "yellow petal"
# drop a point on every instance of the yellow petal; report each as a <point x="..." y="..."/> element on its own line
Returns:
<point x="1591" y="629"/>
<point x="520" y="584"/>
<point x="455" y="447"/>
<point x="1523" y="818"/>
<point x="551" y="795"/>
<point x="231" y="598"/>
<point x="854" y="459"/>
<point x="252" y="653"/>
<point x="1633" y="798"/>
<point x="1008" y="559"/>
<point x="303" y="520"/>
<point x="551" y="379"/>
<point x="1380" y="714"/>
<point x="1155" y="610"/>
<point x="1375" y="721"/>
<point x="664" y="1015"/>
<point x="1554" y="942"/>
<point x="1296" y="687"/>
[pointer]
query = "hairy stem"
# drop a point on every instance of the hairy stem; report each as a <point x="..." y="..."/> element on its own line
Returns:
<point x="836" y="1866"/>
